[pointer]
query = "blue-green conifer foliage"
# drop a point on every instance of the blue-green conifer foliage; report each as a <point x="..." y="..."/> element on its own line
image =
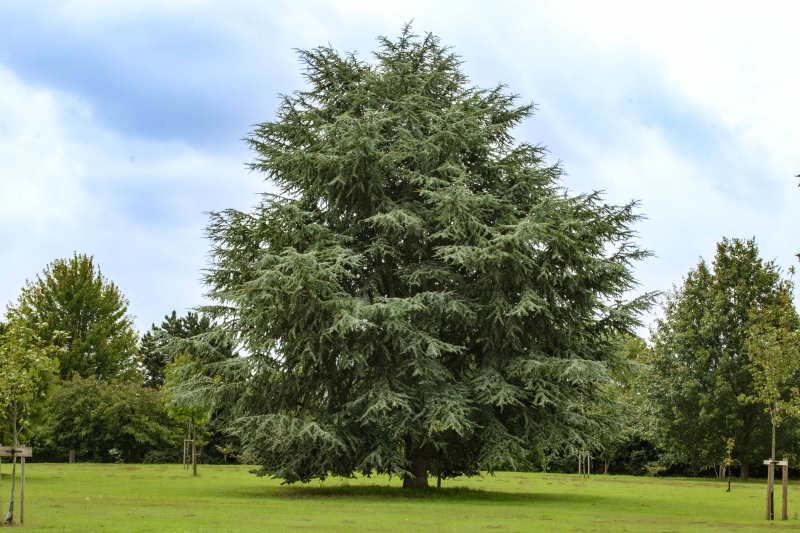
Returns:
<point x="423" y="296"/>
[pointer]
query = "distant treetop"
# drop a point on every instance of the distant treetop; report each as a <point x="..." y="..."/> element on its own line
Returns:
<point x="72" y="296"/>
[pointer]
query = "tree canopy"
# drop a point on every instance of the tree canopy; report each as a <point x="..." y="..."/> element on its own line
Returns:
<point x="26" y="369"/>
<point x="155" y="350"/>
<point x="701" y="389"/>
<point x="109" y="421"/>
<point x="423" y="296"/>
<point x="773" y="343"/>
<point x="72" y="297"/>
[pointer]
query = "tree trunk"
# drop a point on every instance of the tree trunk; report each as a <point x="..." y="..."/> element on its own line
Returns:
<point x="194" y="450"/>
<point x="605" y="467"/>
<point x="10" y="516"/>
<point x="772" y="457"/>
<point x="745" y="469"/>
<point x="418" y="476"/>
<point x="71" y="456"/>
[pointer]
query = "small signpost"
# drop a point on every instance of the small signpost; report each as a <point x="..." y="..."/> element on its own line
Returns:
<point x="22" y="452"/>
<point x="770" y="509"/>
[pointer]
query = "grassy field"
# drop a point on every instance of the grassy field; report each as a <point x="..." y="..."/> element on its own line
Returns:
<point x="155" y="498"/>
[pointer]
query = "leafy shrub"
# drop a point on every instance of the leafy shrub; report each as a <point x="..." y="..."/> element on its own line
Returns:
<point x="95" y="417"/>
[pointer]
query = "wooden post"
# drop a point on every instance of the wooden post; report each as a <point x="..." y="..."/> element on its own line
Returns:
<point x="785" y="502"/>
<point x="22" y="493"/>
<point x="194" y="458"/>
<point x="729" y="478"/>
<point x="22" y="452"/>
<point x="770" y="508"/>
<point x="13" y="482"/>
<point x="770" y="487"/>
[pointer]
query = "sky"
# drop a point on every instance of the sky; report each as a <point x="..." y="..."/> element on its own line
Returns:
<point x="121" y="123"/>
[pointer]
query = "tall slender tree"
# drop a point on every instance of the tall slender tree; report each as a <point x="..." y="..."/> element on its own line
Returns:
<point x="72" y="296"/>
<point x="773" y="342"/>
<point x="423" y="296"/>
<point x="26" y="368"/>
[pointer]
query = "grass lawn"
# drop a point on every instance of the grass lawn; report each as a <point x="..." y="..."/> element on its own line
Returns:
<point x="156" y="498"/>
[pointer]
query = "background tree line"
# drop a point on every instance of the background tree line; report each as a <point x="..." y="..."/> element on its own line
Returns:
<point x="103" y="394"/>
<point x="717" y="374"/>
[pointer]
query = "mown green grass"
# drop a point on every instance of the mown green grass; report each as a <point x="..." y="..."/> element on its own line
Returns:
<point x="155" y="498"/>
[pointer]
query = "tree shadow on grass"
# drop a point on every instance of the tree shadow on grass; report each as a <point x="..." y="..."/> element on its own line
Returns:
<point x="382" y="492"/>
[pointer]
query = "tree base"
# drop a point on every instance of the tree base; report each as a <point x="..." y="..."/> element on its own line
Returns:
<point x="418" y="482"/>
<point x="418" y="476"/>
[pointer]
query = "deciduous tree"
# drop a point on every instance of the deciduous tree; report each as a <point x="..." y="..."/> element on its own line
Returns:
<point x="27" y="366"/>
<point x="193" y="410"/>
<point x="624" y="405"/>
<point x="701" y="385"/>
<point x="73" y="297"/>
<point x="773" y="342"/>
<point x="109" y="421"/>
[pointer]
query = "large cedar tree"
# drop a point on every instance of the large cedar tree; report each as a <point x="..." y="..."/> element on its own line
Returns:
<point x="422" y="296"/>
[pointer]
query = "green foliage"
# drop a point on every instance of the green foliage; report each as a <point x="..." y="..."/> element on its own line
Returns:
<point x="700" y="382"/>
<point x="773" y="342"/>
<point x="173" y="455"/>
<point x="154" y="348"/>
<point x="193" y="347"/>
<point x="27" y="366"/>
<point x="109" y="420"/>
<point x="624" y="404"/>
<point x="71" y="296"/>
<point x="195" y="409"/>
<point x="423" y="296"/>
<point x="192" y="411"/>
<point x="26" y="369"/>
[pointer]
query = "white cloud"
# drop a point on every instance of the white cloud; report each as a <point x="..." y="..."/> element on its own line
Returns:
<point x="40" y="173"/>
<point x="736" y="58"/>
<point x="70" y="185"/>
<point x="690" y="107"/>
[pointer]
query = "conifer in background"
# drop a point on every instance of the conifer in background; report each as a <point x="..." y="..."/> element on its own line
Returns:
<point x="154" y="350"/>
<point x="174" y="355"/>
<point x="423" y="296"/>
